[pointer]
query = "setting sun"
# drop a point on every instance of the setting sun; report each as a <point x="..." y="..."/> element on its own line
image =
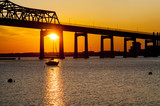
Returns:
<point x="53" y="36"/>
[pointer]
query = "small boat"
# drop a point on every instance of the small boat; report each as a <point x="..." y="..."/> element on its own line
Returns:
<point x="52" y="63"/>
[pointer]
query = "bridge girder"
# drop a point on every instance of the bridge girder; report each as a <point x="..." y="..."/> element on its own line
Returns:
<point x="11" y="10"/>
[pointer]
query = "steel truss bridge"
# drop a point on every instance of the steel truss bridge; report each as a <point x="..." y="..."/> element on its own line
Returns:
<point x="10" y="10"/>
<point x="12" y="14"/>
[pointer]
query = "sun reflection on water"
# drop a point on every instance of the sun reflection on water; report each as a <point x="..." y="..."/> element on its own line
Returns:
<point x="54" y="87"/>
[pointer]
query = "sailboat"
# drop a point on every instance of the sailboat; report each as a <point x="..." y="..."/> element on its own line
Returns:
<point x="51" y="62"/>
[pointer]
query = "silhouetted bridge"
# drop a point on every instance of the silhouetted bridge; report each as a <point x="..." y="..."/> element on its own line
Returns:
<point x="14" y="15"/>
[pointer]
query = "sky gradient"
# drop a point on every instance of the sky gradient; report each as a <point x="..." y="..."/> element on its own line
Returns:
<point x="136" y="15"/>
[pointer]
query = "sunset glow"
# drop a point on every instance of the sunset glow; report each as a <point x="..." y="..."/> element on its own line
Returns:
<point x="134" y="15"/>
<point x="53" y="36"/>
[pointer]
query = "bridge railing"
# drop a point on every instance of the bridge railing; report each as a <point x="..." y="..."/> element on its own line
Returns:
<point x="10" y="10"/>
<point x="106" y="28"/>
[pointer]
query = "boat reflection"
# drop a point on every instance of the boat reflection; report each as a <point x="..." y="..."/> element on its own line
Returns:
<point x="54" y="87"/>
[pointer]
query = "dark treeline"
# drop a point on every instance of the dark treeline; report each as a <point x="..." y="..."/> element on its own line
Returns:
<point x="50" y="54"/>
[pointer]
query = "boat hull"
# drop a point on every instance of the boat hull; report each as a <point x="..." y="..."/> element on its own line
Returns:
<point x="52" y="63"/>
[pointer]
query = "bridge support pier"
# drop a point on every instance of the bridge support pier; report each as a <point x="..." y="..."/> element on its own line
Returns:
<point x="102" y="55"/>
<point x="146" y="54"/>
<point x="75" y="46"/>
<point x="86" y="55"/>
<point x="42" y="34"/>
<point x="157" y="40"/>
<point x="61" y="49"/>
<point x="153" y="51"/>
<point x="134" y="47"/>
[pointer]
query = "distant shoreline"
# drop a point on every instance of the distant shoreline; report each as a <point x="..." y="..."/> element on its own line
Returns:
<point x="50" y="54"/>
<point x="7" y="58"/>
<point x="13" y="56"/>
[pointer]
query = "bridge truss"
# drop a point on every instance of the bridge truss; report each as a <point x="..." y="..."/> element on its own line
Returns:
<point x="10" y="10"/>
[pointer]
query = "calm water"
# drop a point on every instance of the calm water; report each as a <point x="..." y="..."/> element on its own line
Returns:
<point x="82" y="82"/>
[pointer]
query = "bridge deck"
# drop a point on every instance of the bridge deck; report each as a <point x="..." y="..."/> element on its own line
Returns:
<point x="40" y="25"/>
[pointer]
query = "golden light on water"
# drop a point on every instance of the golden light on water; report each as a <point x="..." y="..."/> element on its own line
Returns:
<point x="54" y="89"/>
<point x="53" y="36"/>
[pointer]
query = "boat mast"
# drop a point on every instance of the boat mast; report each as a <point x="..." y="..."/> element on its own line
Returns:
<point x="53" y="48"/>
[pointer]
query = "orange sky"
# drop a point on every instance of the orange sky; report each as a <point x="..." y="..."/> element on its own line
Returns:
<point x="136" y="15"/>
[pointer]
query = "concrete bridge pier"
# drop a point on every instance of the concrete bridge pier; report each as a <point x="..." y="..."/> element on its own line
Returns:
<point x="42" y="34"/>
<point x="134" y="46"/>
<point x="157" y="40"/>
<point x="61" y="48"/>
<point x="155" y="54"/>
<point x="146" y="47"/>
<point x="149" y="52"/>
<point x="153" y="51"/>
<point x="75" y="46"/>
<point x="77" y="34"/>
<point x="102" y="55"/>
